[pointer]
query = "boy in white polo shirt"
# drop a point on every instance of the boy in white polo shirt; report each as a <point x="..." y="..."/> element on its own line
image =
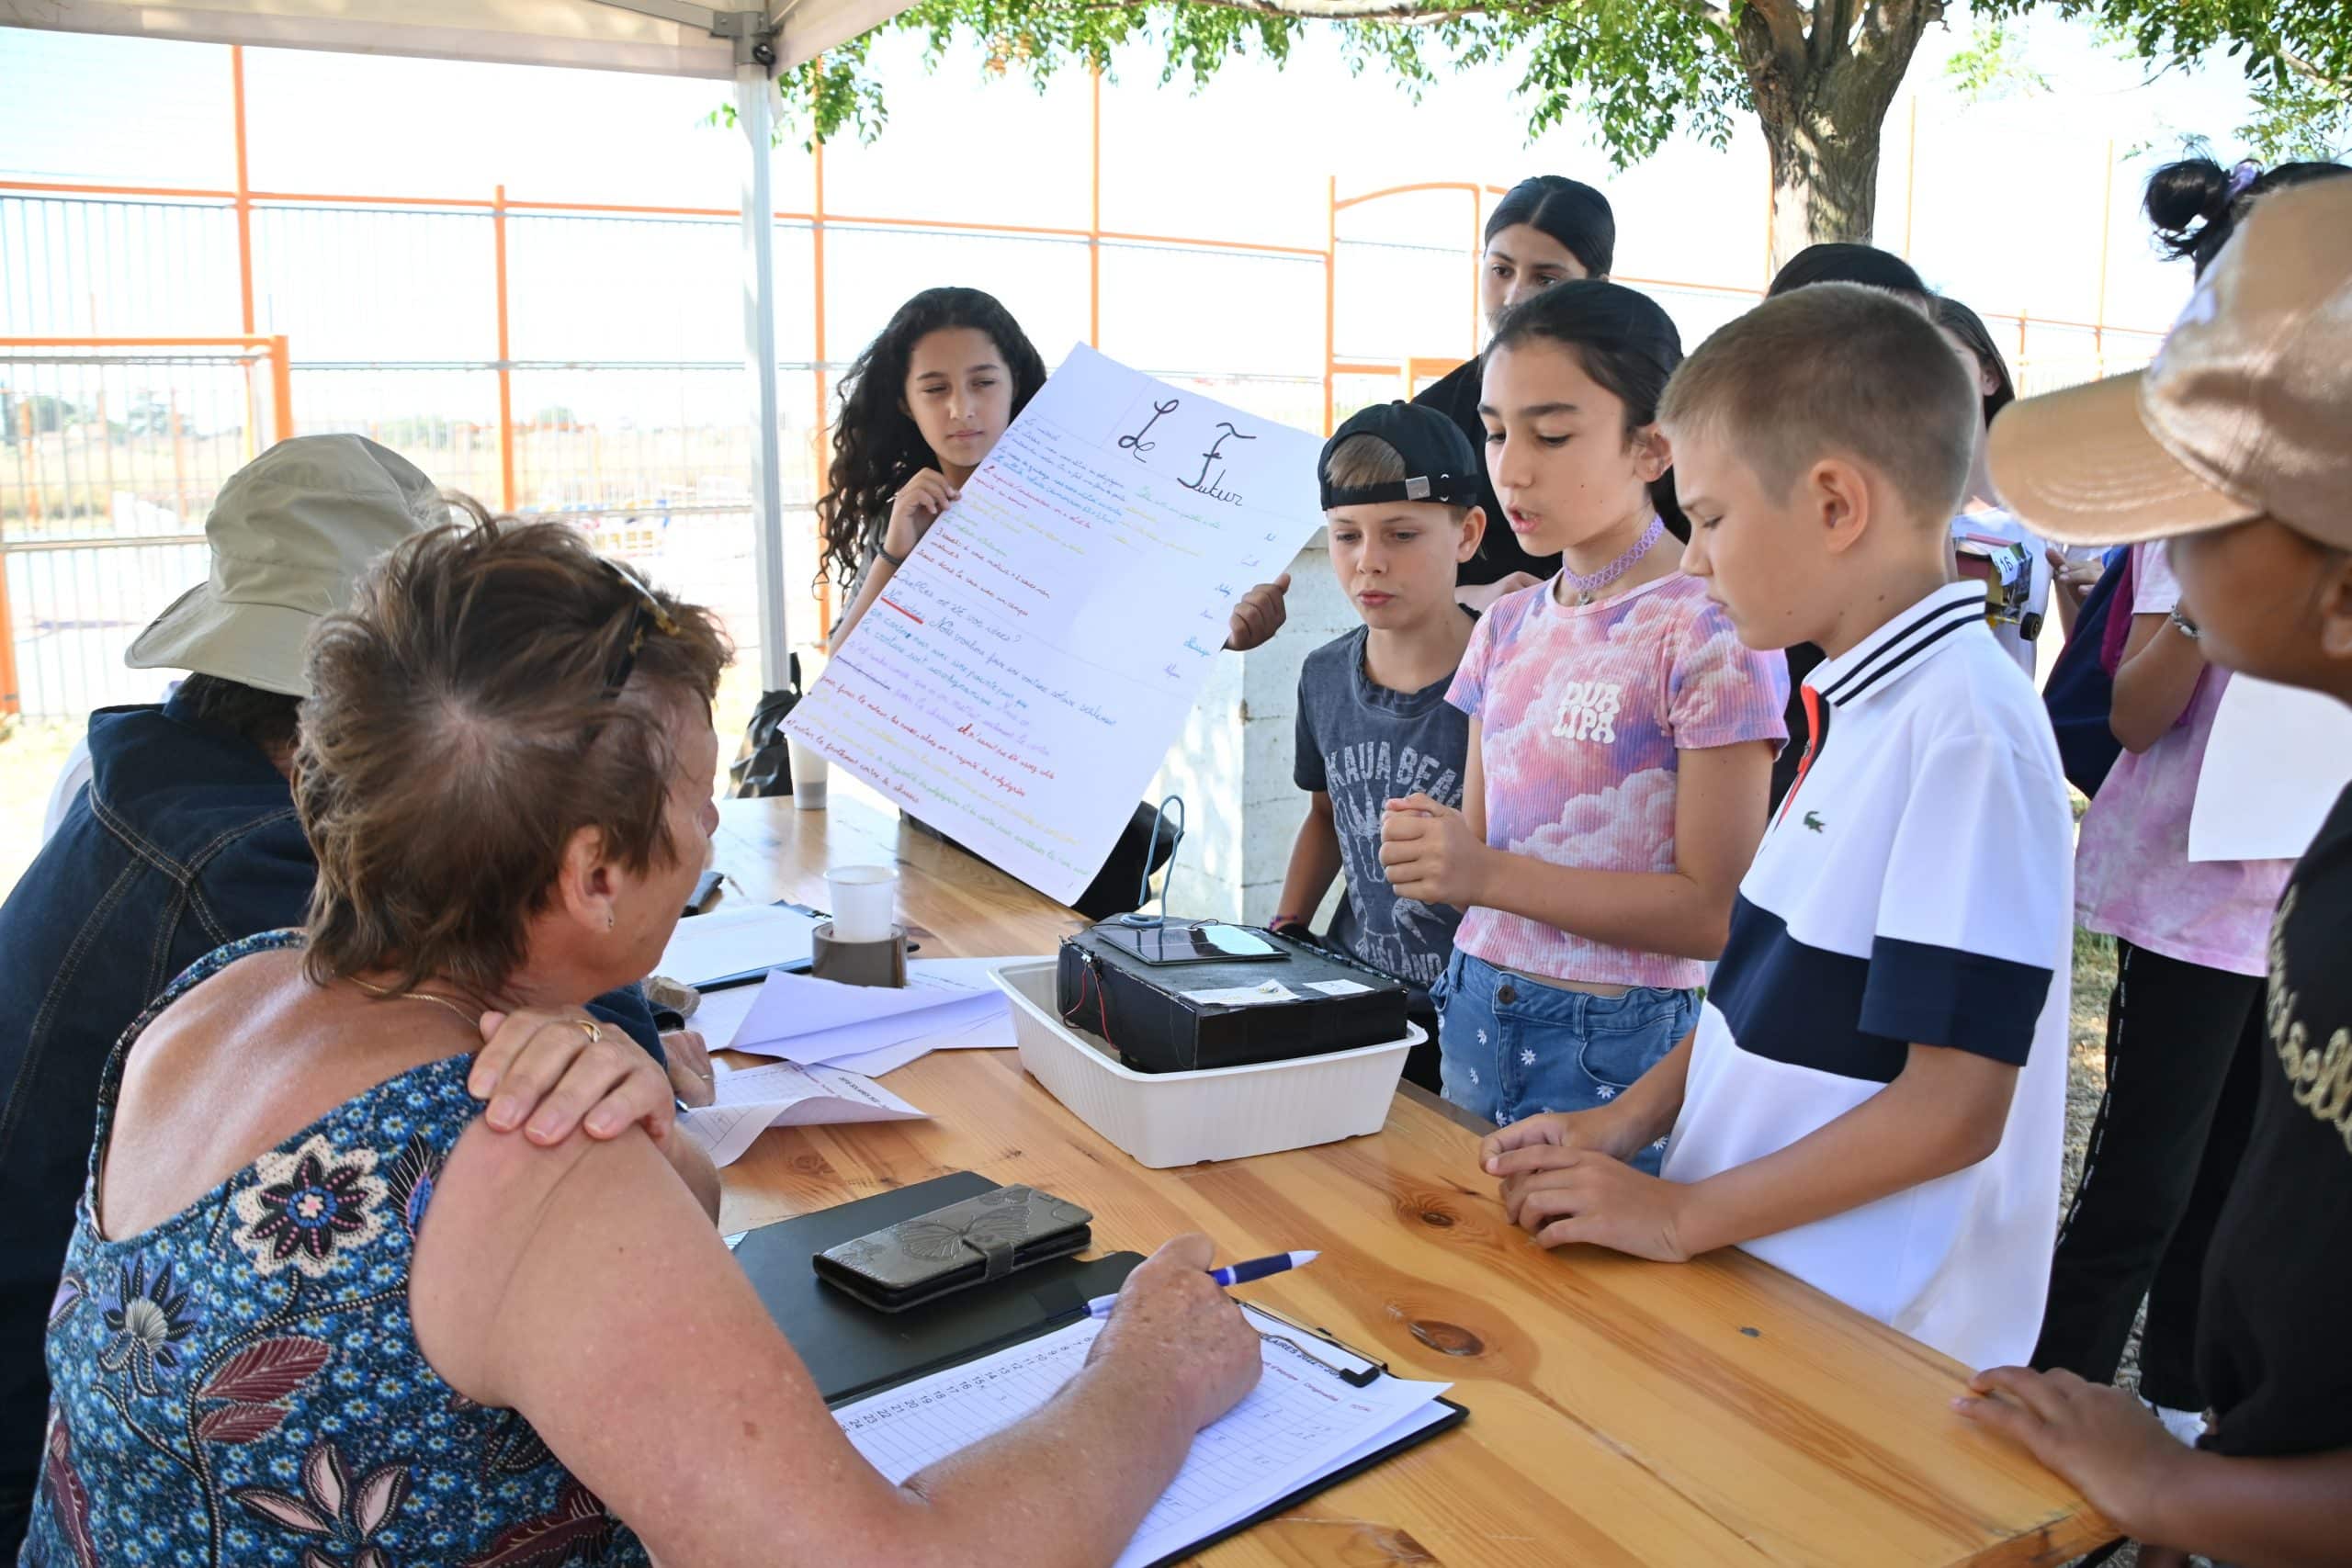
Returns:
<point x="1874" y="1097"/>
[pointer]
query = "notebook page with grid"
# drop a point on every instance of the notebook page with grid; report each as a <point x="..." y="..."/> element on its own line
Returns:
<point x="1301" y="1422"/>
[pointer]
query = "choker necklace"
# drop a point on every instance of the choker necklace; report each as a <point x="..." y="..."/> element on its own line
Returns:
<point x="1585" y="587"/>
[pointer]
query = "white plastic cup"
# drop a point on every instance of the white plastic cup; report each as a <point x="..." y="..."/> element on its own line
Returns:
<point x="866" y="899"/>
<point x="809" y="775"/>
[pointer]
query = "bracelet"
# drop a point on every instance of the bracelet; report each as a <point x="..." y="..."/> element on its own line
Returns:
<point x="2184" y="625"/>
<point x="896" y="561"/>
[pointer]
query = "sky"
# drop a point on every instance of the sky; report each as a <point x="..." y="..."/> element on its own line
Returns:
<point x="2002" y="202"/>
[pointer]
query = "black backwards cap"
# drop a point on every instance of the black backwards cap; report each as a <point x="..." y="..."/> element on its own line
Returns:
<point x="1439" y="465"/>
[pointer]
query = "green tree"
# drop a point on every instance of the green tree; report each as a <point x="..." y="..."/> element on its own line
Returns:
<point x="2297" y="55"/>
<point x="1818" y="76"/>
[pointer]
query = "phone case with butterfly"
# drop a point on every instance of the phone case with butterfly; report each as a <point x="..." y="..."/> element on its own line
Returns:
<point x="974" y="1242"/>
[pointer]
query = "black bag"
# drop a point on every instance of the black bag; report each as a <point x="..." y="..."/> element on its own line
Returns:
<point x="1145" y="1012"/>
<point x="2080" y="692"/>
<point x="763" y="766"/>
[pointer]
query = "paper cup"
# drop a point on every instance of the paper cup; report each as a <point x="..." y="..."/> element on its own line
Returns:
<point x="864" y="901"/>
<point x="808" y="773"/>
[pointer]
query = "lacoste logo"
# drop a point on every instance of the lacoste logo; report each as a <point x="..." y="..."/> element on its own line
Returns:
<point x="1812" y="820"/>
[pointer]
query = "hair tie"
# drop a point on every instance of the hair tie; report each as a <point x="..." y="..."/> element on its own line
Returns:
<point x="2245" y="174"/>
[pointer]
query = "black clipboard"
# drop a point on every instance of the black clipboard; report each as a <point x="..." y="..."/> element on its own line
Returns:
<point x="852" y="1350"/>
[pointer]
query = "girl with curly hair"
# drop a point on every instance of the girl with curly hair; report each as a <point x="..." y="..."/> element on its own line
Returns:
<point x="921" y="410"/>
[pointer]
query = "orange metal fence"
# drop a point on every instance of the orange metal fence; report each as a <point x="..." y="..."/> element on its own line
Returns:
<point x="670" y="477"/>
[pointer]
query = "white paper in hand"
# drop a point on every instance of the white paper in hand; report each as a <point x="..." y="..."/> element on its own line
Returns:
<point x="1022" y="676"/>
<point x="2274" y="764"/>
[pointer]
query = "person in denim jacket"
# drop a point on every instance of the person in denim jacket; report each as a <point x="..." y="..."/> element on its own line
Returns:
<point x="185" y="840"/>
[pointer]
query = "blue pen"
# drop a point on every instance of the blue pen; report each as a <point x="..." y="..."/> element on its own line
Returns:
<point x="1230" y="1275"/>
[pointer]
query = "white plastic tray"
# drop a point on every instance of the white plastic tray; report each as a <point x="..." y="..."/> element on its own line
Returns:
<point x="1164" y="1119"/>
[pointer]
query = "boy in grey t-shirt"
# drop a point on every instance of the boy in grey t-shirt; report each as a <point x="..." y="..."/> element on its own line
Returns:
<point x="1400" y="493"/>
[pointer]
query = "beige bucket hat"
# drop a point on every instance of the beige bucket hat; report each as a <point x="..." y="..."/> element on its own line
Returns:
<point x="2246" y="412"/>
<point x="290" y="533"/>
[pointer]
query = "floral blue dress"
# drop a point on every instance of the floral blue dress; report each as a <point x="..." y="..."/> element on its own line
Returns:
<point x="241" y="1385"/>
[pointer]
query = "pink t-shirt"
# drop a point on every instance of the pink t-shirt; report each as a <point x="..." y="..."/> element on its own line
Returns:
<point x="2133" y="878"/>
<point x="1582" y="712"/>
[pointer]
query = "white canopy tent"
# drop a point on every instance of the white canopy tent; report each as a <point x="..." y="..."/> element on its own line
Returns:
<point x="747" y="45"/>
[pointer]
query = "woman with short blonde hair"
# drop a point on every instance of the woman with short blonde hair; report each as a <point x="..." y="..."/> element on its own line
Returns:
<point x="313" y="1312"/>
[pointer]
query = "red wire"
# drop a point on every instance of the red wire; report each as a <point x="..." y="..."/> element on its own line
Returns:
<point x="1086" y="972"/>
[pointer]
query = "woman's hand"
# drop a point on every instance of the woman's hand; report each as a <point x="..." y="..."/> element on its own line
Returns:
<point x="565" y="1070"/>
<point x="691" y="1074"/>
<point x="914" y="509"/>
<point x="2099" y="1437"/>
<point x="1179" y="1335"/>
<point x="1259" y="615"/>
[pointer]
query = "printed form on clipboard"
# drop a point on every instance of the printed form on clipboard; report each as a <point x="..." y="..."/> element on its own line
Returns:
<point x="1318" y="1414"/>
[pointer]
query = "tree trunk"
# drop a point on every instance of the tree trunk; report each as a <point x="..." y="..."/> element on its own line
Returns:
<point x="1822" y="77"/>
<point x="1825" y="183"/>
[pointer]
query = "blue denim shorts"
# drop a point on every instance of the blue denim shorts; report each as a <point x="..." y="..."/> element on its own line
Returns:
<point x="1510" y="1048"/>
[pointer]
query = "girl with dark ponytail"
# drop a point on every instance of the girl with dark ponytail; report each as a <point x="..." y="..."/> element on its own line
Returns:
<point x="1594" y="884"/>
<point x="1547" y="229"/>
<point x="2196" y="204"/>
<point x="2187" y="1027"/>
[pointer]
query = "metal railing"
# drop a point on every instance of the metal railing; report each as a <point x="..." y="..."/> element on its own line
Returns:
<point x="440" y="326"/>
<point x="108" y="446"/>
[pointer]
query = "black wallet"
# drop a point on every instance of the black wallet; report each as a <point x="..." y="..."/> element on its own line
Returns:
<point x="974" y="1242"/>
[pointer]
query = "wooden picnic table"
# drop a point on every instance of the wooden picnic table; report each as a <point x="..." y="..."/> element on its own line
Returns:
<point x="1621" y="1412"/>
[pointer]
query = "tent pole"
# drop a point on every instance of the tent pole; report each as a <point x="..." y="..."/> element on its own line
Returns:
<point x="755" y="115"/>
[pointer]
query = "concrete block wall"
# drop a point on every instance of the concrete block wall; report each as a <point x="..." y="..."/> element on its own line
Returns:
<point x="1232" y="764"/>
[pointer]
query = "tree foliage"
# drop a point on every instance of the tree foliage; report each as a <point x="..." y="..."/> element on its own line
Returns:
<point x="2297" y="55"/>
<point x="1817" y="75"/>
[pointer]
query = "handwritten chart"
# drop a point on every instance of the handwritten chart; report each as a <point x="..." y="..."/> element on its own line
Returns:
<point x="1024" y="673"/>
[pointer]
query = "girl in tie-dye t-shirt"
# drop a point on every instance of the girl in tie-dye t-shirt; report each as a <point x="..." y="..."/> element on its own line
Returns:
<point x="1595" y="882"/>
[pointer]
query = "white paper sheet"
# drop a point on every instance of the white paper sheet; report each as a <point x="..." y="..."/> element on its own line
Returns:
<point x="806" y="1020"/>
<point x="1025" y="671"/>
<point x="781" y="1095"/>
<point x="2276" y="761"/>
<point x="1298" y="1424"/>
<point x="731" y="940"/>
<point x="721" y="1016"/>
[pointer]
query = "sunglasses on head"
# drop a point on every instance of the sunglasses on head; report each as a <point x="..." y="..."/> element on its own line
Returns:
<point x="647" y="616"/>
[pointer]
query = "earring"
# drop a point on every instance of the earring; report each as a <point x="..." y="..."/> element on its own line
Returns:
<point x="609" y="920"/>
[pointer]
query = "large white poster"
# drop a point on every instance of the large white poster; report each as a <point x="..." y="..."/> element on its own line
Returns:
<point x="1023" y="675"/>
<point x="2276" y="761"/>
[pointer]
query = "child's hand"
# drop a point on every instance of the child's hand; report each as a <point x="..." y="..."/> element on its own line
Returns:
<point x="2076" y="578"/>
<point x="564" y="1070"/>
<point x="1430" y="853"/>
<point x="1585" y="1195"/>
<point x="1259" y="615"/>
<point x="914" y="509"/>
<point x="1481" y="597"/>
<point x="1539" y="1142"/>
<point x="2100" y="1439"/>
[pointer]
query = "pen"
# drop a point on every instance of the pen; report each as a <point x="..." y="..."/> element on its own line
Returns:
<point x="1231" y="1274"/>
